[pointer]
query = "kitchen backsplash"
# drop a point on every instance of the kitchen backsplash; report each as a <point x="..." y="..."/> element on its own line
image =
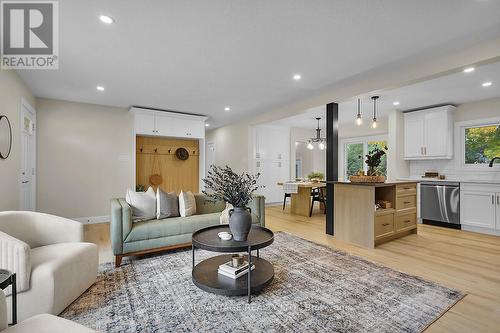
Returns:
<point x="450" y="170"/>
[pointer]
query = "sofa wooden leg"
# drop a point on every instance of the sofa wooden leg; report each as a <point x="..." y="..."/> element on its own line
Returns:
<point x="118" y="261"/>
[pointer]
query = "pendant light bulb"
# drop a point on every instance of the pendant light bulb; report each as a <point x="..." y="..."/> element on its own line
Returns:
<point x="310" y="146"/>
<point x="374" y="123"/>
<point x="359" y="120"/>
<point x="321" y="146"/>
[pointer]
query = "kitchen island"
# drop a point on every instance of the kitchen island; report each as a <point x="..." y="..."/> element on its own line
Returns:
<point x="358" y="221"/>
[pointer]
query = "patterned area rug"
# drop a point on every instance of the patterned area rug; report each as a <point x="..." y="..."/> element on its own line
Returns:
<point x="316" y="289"/>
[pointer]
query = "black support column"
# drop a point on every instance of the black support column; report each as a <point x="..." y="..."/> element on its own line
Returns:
<point x="332" y="160"/>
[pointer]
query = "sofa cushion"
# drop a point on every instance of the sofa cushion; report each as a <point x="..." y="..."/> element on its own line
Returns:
<point x="143" y="204"/>
<point x="167" y="204"/>
<point x="174" y="226"/>
<point x="205" y="205"/>
<point x="187" y="204"/>
<point x="46" y="323"/>
<point x="171" y="226"/>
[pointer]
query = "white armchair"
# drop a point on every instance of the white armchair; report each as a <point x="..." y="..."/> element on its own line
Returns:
<point x="43" y="323"/>
<point x="53" y="265"/>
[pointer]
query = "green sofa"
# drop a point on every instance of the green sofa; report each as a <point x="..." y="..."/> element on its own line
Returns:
<point x="137" y="238"/>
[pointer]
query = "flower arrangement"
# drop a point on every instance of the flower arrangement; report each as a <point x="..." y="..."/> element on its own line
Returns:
<point x="373" y="159"/>
<point x="226" y="185"/>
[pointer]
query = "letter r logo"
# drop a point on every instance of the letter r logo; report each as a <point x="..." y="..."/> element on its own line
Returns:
<point x="27" y="28"/>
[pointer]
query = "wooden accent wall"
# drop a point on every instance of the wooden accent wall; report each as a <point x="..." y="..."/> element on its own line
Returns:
<point x="157" y="156"/>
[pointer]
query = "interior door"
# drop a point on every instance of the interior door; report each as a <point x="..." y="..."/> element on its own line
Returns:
<point x="28" y="159"/>
<point x="210" y="154"/>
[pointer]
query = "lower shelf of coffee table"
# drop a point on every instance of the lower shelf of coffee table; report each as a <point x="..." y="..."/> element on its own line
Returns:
<point x="206" y="277"/>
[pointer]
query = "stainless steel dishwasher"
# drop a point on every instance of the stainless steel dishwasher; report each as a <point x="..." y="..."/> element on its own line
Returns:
<point x="440" y="203"/>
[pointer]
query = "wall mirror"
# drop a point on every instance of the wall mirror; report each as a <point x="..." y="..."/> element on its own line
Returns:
<point x="5" y="137"/>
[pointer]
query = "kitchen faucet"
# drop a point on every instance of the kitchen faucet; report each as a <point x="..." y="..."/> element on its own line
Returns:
<point x="493" y="160"/>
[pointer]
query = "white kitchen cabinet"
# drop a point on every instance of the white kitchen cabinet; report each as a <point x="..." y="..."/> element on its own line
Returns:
<point x="168" y="124"/>
<point x="480" y="207"/>
<point x="144" y="123"/>
<point x="429" y="133"/>
<point x="271" y="158"/>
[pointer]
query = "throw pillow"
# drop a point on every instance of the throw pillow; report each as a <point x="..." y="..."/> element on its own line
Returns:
<point x="143" y="204"/>
<point x="167" y="204"/>
<point x="187" y="204"/>
<point x="224" y="216"/>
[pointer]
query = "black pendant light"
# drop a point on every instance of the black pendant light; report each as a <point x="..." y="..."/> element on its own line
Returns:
<point x="374" y="123"/>
<point x="359" y="119"/>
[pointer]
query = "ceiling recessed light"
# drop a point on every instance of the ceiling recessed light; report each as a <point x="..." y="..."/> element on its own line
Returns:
<point x="297" y="77"/>
<point x="469" y="69"/>
<point x="487" y="84"/>
<point x="100" y="88"/>
<point x="207" y="125"/>
<point x="395" y="103"/>
<point x="106" y="19"/>
<point x="227" y="108"/>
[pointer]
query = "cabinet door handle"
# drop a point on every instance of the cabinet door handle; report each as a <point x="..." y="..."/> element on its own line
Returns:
<point x="407" y="221"/>
<point x="498" y="199"/>
<point x="385" y="224"/>
<point x="407" y="202"/>
<point x="421" y="150"/>
<point x="425" y="150"/>
<point x="492" y="199"/>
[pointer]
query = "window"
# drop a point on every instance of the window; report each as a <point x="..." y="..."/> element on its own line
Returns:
<point x="354" y="158"/>
<point x="354" y="154"/>
<point x="481" y="144"/>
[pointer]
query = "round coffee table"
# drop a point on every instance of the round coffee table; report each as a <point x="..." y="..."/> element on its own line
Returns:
<point x="205" y="274"/>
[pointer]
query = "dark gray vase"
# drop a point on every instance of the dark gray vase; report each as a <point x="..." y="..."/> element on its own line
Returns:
<point x="240" y="222"/>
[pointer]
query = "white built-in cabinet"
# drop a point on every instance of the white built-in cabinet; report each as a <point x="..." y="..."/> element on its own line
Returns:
<point x="480" y="207"/>
<point x="271" y="158"/>
<point x="168" y="124"/>
<point x="171" y="124"/>
<point x="429" y="133"/>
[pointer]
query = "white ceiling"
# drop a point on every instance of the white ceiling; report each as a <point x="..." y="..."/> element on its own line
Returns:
<point x="199" y="56"/>
<point x="457" y="88"/>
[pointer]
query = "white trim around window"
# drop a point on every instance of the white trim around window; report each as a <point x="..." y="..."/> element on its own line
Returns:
<point x="360" y="139"/>
<point x="460" y="143"/>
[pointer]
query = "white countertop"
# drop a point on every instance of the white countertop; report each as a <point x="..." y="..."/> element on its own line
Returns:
<point x="479" y="181"/>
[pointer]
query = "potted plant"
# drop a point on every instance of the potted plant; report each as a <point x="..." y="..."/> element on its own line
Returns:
<point x="236" y="189"/>
<point x="373" y="159"/>
<point x="315" y="176"/>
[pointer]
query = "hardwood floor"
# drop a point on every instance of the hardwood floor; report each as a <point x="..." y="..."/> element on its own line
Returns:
<point x="457" y="259"/>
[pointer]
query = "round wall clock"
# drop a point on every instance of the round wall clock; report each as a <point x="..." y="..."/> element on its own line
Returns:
<point x="5" y="137"/>
<point x="182" y="154"/>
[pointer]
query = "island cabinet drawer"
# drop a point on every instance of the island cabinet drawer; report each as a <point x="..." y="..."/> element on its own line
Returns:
<point x="384" y="225"/>
<point x="405" y="202"/>
<point x="406" y="221"/>
<point x="406" y="189"/>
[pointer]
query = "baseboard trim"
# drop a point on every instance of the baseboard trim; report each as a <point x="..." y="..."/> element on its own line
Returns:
<point x="93" y="219"/>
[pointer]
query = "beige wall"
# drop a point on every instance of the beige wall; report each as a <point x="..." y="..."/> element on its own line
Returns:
<point x="12" y="89"/>
<point x="231" y="145"/>
<point x="233" y="138"/>
<point x="488" y="108"/>
<point x="84" y="157"/>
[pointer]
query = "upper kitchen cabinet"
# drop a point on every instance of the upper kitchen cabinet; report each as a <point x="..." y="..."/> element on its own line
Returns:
<point x="429" y="133"/>
<point x="168" y="124"/>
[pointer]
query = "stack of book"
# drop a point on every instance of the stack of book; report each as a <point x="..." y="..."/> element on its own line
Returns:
<point x="227" y="269"/>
